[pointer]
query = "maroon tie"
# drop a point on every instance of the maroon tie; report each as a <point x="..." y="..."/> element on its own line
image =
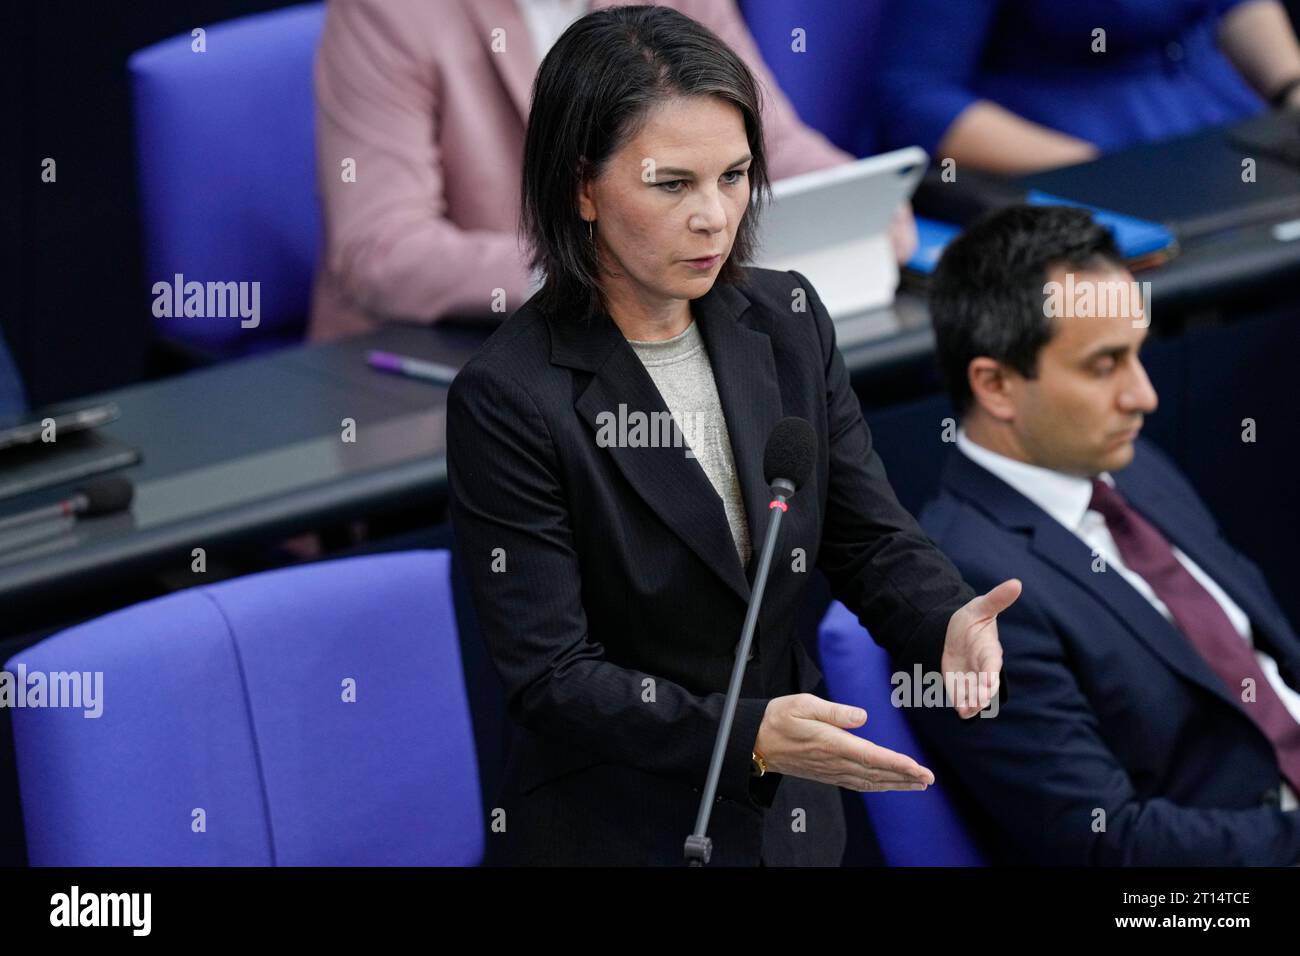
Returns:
<point x="1202" y="620"/>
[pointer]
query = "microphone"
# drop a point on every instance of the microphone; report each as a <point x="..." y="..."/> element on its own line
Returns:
<point x="787" y="463"/>
<point x="788" y="458"/>
<point x="101" y="496"/>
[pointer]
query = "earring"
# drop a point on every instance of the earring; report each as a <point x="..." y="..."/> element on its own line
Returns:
<point x="589" y="227"/>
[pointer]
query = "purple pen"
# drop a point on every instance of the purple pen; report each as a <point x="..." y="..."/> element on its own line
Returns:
<point x="411" y="367"/>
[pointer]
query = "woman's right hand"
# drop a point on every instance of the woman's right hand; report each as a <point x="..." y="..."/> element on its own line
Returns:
<point x="803" y="735"/>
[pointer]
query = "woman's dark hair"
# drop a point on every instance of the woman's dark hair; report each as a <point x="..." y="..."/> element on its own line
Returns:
<point x="986" y="297"/>
<point x="593" y="91"/>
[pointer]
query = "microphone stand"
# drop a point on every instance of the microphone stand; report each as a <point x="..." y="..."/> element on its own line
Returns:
<point x="699" y="847"/>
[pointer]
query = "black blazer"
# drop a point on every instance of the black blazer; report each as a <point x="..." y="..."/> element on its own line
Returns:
<point x="611" y="597"/>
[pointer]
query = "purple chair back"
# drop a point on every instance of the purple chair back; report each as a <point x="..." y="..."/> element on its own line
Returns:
<point x="310" y="716"/>
<point x="912" y="828"/>
<point x="226" y="156"/>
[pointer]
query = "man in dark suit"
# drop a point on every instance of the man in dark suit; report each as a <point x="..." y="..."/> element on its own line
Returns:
<point x="1154" y="717"/>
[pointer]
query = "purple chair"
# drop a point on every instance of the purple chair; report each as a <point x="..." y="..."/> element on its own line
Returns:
<point x="831" y="82"/>
<point x="310" y="716"/>
<point x="913" y="828"/>
<point x="226" y="155"/>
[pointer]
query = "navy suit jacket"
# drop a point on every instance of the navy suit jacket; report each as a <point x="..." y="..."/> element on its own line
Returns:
<point x="1119" y="744"/>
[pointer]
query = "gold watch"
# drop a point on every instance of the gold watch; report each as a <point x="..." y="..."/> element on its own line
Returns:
<point x="757" y="765"/>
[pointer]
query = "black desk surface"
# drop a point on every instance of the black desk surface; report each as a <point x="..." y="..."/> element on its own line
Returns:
<point x="1193" y="183"/>
<point x="1224" y="222"/>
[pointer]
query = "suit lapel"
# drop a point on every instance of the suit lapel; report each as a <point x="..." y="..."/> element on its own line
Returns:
<point x="1073" y="558"/>
<point x="1215" y="557"/>
<point x="1066" y="552"/>
<point x="739" y="344"/>
<point x="516" y="65"/>
<point x="674" y="486"/>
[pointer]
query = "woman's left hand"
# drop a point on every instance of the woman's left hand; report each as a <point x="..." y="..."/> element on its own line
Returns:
<point x="971" y="647"/>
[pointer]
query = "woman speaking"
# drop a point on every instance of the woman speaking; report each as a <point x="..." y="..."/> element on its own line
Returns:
<point x="611" y="572"/>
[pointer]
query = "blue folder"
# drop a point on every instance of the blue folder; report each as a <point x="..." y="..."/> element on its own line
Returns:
<point x="1135" y="237"/>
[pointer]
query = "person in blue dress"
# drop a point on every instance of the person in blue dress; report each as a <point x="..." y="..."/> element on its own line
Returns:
<point x="1014" y="86"/>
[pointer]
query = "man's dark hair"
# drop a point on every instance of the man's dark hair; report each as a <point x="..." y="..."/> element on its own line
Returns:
<point x="593" y="91"/>
<point x="986" y="298"/>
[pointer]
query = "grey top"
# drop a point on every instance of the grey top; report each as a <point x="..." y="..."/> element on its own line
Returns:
<point x="681" y="371"/>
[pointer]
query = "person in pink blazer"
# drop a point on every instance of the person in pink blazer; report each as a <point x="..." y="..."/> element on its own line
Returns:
<point x="421" y="108"/>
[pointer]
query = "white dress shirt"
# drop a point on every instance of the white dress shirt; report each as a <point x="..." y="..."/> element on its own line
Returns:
<point x="1066" y="498"/>
<point x="547" y="19"/>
